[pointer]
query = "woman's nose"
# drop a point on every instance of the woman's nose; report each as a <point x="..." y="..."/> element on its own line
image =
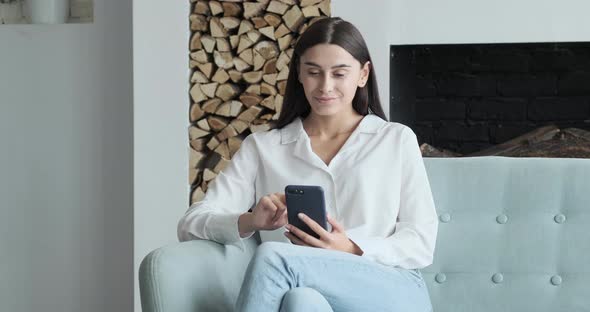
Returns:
<point x="326" y="84"/>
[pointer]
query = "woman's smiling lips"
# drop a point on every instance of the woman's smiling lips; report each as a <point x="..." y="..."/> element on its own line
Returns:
<point x="325" y="99"/>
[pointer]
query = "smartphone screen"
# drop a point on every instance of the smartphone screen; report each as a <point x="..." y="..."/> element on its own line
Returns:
<point x="307" y="199"/>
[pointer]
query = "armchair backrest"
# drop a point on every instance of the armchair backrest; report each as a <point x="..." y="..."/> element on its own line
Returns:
<point x="514" y="234"/>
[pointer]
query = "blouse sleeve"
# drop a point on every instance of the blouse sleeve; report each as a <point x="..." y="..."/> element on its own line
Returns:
<point x="411" y="246"/>
<point x="228" y="196"/>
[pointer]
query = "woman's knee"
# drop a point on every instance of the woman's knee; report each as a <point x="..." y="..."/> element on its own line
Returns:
<point x="304" y="299"/>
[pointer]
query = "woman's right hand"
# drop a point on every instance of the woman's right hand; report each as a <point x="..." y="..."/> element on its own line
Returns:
<point x="270" y="213"/>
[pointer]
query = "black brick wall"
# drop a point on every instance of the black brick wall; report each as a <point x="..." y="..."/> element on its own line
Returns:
<point x="467" y="97"/>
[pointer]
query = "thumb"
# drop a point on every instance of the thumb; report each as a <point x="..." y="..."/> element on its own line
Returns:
<point x="336" y="227"/>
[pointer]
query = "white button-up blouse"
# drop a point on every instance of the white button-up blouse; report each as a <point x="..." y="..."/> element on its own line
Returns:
<point x="376" y="186"/>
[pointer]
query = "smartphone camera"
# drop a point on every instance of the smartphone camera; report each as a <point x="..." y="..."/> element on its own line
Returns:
<point x="296" y="191"/>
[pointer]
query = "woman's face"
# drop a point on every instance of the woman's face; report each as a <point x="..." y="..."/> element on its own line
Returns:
<point x="330" y="77"/>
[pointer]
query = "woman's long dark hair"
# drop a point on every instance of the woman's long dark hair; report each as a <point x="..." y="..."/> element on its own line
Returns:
<point x="336" y="31"/>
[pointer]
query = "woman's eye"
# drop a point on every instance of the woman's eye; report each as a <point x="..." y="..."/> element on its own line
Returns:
<point x="317" y="73"/>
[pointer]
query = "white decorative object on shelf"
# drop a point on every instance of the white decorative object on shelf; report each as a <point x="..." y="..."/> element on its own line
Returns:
<point x="11" y="12"/>
<point x="47" y="11"/>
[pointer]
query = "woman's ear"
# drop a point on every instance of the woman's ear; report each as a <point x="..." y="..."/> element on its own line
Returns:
<point x="364" y="77"/>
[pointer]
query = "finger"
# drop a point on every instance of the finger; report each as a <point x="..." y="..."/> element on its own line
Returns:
<point x="336" y="226"/>
<point x="280" y="207"/>
<point x="283" y="220"/>
<point x="294" y="239"/>
<point x="272" y="208"/>
<point x="314" y="226"/>
<point x="306" y="238"/>
<point x="266" y="204"/>
<point x="269" y="207"/>
<point x="282" y="198"/>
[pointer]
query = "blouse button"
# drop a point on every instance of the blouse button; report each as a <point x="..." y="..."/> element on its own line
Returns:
<point x="440" y="278"/>
<point x="445" y="217"/>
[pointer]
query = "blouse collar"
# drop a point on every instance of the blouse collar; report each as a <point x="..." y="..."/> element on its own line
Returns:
<point x="371" y="123"/>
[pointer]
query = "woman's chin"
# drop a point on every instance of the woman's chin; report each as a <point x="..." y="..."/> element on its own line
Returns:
<point x="323" y="110"/>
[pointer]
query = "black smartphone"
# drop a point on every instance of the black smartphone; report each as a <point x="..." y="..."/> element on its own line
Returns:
<point x="307" y="199"/>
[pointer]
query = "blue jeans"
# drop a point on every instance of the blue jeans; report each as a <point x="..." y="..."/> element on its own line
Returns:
<point x="285" y="277"/>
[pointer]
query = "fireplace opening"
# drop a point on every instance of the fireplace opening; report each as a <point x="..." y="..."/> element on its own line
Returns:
<point x="513" y="99"/>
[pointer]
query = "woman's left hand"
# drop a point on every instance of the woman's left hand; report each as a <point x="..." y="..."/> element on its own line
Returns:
<point x="335" y="240"/>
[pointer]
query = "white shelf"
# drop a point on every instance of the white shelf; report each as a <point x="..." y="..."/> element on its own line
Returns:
<point x="81" y="12"/>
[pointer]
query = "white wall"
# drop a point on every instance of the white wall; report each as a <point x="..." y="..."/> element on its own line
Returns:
<point x="461" y="21"/>
<point x="66" y="164"/>
<point x="161" y="107"/>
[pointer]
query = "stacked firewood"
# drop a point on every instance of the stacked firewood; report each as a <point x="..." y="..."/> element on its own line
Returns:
<point x="240" y="54"/>
<point x="548" y="141"/>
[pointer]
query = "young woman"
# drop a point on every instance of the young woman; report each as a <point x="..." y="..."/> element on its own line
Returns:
<point x="331" y="132"/>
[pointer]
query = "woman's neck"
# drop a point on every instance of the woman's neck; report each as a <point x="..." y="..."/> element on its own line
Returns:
<point x="326" y="127"/>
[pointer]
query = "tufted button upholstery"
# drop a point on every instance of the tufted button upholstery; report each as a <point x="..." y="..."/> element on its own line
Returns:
<point x="445" y="218"/>
<point x="440" y="278"/>
<point x="511" y="231"/>
<point x="559" y="218"/>
<point x="556" y="280"/>
<point x="498" y="278"/>
<point x="534" y="243"/>
<point x="502" y="218"/>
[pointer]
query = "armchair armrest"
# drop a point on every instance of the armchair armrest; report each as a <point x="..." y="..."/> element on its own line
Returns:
<point x="197" y="275"/>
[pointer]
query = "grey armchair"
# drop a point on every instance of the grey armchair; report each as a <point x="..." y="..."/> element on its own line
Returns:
<point x="514" y="235"/>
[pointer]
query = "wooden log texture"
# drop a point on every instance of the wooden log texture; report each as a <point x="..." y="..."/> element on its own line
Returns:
<point x="239" y="60"/>
<point x="547" y="141"/>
